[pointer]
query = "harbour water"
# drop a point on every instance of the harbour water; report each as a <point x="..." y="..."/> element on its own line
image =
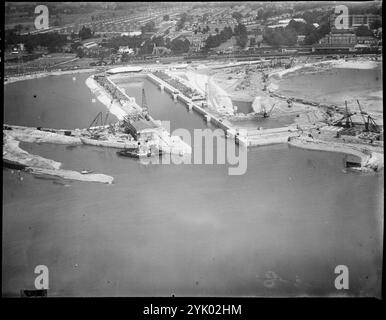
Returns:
<point x="60" y="102"/>
<point x="185" y="229"/>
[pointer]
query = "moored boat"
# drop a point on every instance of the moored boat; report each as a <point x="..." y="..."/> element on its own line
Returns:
<point x="140" y="152"/>
<point x="134" y="153"/>
<point x="86" y="171"/>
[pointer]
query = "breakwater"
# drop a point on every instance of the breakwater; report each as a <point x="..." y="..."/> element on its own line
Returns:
<point x="13" y="154"/>
<point x="365" y="158"/>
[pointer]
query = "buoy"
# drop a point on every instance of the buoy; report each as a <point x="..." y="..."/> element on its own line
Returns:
<point x="73" y="78"/>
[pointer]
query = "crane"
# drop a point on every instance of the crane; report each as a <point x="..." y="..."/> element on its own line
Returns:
<point x="362" y="114"/>
<point x="347" y="116"/>
<point x="349" y="122"/>
<point x="145" y="108"/>
<point x="268" y="114"/>
<point x="144" y="102"/>
<point x="95" y="121"/>
<point x="370" y="124"/>
<point x="95" y="133"/>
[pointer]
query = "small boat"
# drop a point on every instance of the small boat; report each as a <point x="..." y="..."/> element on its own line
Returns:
<point x="86" y="171"/>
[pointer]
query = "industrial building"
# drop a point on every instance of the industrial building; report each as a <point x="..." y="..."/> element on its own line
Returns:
<point x="141" y="129"/>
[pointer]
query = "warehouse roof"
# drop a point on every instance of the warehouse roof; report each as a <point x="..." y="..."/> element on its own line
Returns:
<point x="124" y="70"/>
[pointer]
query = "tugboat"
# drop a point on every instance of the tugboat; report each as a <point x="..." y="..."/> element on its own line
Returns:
<point x="138" y="152"/>
<point x="134" y="153"/>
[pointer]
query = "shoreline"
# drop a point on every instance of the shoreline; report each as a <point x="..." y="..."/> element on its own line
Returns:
<point x="38" y="165"/>
<point x="369" y="159"/>
<point x="13" y="79"/>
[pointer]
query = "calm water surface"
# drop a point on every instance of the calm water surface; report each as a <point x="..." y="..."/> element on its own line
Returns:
<point x="58" y="102"/>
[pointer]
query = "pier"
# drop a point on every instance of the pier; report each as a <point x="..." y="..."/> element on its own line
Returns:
<point x="192" y="105"/>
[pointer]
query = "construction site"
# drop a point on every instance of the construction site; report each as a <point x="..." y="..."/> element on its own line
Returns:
<point x="213" y="90"/>
<point x="271" y="117"/>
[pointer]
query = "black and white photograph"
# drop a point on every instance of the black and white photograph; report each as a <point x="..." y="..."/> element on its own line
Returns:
<point x="193" y="149"/>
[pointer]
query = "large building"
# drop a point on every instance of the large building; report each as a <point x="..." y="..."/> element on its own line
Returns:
<point x="142" y="130"/>
<point x="341" y="40"/>
<point x="127" y="69"/>
<point x="345" y="38"/>
<point x="357" y="20"/>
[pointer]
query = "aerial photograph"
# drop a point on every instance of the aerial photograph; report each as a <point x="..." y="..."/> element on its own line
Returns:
<point x="193" y="149"/>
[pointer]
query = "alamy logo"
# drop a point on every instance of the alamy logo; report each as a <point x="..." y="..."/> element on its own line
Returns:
<point x="209" y="147"/>
<point x="41" y="21"/>
<point x="341" y="21"/>
<point x="341" y="281"/>
<point x="41" y="281"/>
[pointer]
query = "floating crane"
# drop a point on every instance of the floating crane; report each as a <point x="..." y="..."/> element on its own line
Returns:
<point x="98" y="121"/>
<point x="99" y="117"/>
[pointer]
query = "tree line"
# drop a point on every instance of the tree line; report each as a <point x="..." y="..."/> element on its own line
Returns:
<point x="287" y="36"/>
<point x="240" y="32"/>
<point x="52" y="41"/>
